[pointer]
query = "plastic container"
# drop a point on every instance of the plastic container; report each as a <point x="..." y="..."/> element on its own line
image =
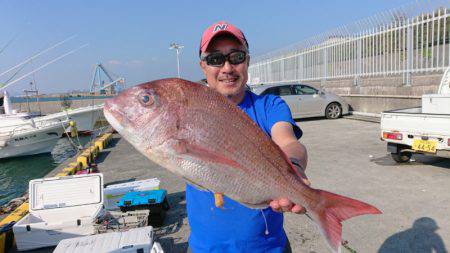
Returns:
<point x="134" y="240"/>
<point x="155" y="201"/>
<point x="113" y="193"/>
<point x="60" y="208"/>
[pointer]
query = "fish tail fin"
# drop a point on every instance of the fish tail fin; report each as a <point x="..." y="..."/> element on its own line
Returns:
<point x="331" y="210"/>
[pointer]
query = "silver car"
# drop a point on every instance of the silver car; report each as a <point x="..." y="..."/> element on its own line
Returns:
<point x="306" y="101"/>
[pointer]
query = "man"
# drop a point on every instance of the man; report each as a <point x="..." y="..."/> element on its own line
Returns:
<point x="234" y="227"/>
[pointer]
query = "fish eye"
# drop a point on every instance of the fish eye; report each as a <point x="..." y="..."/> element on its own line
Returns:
<point x="146" y="99"/>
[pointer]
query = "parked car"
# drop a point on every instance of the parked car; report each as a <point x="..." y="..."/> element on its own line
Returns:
<point x="306" y="101"/>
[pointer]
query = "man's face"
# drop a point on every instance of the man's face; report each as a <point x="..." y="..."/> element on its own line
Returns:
<point x="229" y="80"/>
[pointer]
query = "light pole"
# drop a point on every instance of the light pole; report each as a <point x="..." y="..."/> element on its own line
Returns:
<point x="177" y="47"/>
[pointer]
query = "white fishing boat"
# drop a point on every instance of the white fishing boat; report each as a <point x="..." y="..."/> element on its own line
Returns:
<point x="25" y="134"/>
<point x="84" y="117"/>
<point x="30" y="139"/>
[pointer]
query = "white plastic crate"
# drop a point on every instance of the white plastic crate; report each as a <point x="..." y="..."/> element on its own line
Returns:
<point x="113" y="193"/>
<point x="436" y="103"/>
<point x="60" y="208"/>
<point x="133" y="240"/>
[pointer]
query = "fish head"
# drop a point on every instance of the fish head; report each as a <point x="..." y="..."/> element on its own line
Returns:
<point x="146" y="115"/>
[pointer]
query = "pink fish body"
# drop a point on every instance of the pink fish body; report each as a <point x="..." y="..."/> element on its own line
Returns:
<point x="198" y="134"/>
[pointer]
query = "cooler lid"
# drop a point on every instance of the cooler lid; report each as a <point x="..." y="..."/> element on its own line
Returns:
<point x="64" y="192"/>
<point x="444" y="87"/>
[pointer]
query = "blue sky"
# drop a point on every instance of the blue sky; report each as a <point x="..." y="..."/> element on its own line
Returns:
<point x="131" y="38"/>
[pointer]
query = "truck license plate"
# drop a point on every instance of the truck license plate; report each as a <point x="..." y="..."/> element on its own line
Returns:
<point x="424" y="145"/>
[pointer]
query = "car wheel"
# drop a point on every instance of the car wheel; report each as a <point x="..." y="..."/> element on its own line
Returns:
<point x="333" y="111"/>
<point x="401" y="157"/>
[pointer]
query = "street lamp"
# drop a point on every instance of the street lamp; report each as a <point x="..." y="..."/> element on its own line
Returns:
<point x="177" y="47"/>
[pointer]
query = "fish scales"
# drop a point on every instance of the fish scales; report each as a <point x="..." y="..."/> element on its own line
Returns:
<point x="215" y="121"/>
<point x="201" y="136"/>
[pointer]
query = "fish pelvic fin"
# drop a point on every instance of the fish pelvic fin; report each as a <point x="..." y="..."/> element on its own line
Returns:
<point x="331" y="210"/>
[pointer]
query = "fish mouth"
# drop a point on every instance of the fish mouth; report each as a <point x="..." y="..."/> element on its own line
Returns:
<point x="113" y="121"/>
<point x="113" y="115"/>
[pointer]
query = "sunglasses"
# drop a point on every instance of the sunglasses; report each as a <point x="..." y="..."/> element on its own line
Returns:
<point x="218" y="59"/>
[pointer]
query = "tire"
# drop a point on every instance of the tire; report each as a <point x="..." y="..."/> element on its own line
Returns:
<point x="333" y="111"/>
<point x="401" y="157"/>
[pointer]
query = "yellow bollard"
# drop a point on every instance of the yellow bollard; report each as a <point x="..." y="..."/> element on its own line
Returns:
<point x="99" y="145"/>
<point x="15" y="215"/>
<point x="77" y="166"/>
<point x="83" y="160"/>
<point x="73" y="129"/>
<point x="70" y="170"/>
<point x="88" y="154"/>
<point x="94" y="151"/>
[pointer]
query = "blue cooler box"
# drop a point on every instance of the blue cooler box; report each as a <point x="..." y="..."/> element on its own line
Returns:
<point x="155" y="201"/>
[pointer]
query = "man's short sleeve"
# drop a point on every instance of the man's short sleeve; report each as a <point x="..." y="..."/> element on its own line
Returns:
<point x="277" y="110"/>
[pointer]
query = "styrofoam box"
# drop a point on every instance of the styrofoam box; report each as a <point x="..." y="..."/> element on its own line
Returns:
<point x="133" y="240"/>
<point x="60" y="208"/>
<point x="113" y="193"/>
<point x="436" y="103"/>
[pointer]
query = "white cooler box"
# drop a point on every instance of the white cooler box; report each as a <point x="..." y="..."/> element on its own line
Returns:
<point x="113" y="193"/>
<point x="133" y="240"/>
<point x="60" y="208"/>
<point x="436" y="103"/>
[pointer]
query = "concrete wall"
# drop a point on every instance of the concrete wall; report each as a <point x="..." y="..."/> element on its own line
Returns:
<point x="377" y="94"/>
<point x="55" y="106"/>
<point x="372" y="95"/>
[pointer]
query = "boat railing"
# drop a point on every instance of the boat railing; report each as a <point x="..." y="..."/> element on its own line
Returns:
<point x="8" y="132"/>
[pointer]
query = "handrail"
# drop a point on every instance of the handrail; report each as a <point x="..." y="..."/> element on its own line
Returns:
<point x="28" y="127"/>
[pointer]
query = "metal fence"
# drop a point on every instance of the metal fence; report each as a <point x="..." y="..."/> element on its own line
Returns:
<point x="411" y="39"/>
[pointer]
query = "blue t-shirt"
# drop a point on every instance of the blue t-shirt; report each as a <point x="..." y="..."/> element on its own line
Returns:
<point x="237" y="228"/>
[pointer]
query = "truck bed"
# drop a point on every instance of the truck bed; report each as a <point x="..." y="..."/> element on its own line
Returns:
<point x="413" y="121"/>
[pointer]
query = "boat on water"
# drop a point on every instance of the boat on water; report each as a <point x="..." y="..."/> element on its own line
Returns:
<point x="30" y="139"/>
<point x="24" y="134"/>
<point x="84" y="117"/>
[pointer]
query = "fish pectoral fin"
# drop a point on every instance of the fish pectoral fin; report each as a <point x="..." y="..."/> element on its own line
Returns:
<point x="204" y="154"/>
<point x="199" y="187"/>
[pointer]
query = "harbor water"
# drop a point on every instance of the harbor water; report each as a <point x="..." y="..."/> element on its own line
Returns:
<point x="15" y="173"/>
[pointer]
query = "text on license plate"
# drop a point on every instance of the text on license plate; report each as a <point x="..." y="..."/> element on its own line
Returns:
<point x="425" y="145"/>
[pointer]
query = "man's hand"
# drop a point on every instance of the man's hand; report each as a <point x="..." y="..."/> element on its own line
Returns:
<point x="285" y="205"/>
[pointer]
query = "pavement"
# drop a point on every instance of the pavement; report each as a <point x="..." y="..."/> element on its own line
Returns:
<point x="345" y="157"/>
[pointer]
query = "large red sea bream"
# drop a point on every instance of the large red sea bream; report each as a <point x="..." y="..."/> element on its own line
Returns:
<point x="198" y="134"/>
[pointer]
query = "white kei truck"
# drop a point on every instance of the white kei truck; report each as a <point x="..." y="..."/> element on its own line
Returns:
<point x="424" y="130"/>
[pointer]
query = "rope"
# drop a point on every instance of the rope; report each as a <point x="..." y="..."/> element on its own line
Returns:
<point x="79" y="147"/>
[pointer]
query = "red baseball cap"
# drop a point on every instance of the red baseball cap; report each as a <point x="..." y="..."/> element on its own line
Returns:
<point x="220" y="28"/>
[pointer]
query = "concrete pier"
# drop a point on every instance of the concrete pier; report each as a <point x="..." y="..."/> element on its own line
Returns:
<point x="345" y="157"/>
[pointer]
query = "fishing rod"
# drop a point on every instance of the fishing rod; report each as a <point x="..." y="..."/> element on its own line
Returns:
<point x="8" y="43"/>
<point x="4" y="86"/>
<point x="38" y="54"/>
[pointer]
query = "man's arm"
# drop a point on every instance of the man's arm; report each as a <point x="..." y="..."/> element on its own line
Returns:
<point x="283" y="135"/>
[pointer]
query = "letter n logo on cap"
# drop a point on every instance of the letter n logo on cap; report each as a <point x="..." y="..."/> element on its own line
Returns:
<point x="220" y="27"/>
